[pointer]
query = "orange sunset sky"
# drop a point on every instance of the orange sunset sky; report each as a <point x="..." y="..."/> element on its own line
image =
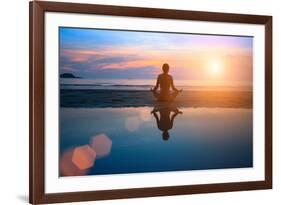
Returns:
<point x="109" y="54"/>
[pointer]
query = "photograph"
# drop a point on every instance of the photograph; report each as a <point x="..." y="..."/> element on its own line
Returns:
<point x="129" y="102"/>
<point x="133" y="101"/>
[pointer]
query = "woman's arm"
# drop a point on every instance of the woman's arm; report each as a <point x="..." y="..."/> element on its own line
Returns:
<point x="172" y="85"/>
<point x="157" y="84"/>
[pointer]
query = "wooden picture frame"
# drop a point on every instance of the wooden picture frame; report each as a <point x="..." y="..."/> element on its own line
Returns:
<point x="38" y="9"/>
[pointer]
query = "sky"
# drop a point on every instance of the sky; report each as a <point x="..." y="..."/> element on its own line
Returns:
<point x="116" y="54"/>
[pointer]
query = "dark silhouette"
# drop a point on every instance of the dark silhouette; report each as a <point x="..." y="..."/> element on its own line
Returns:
<point x="165" y="120"/>
<point x="165" y="81"/>
<point x="68" y="75"/>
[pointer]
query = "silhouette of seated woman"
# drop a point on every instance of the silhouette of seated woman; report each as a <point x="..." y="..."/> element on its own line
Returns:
<point x="165" y="81"/>
<point x="165" y="121"/>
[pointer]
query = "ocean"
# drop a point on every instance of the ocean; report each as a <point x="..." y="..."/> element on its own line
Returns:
<point x="146" y="84"/>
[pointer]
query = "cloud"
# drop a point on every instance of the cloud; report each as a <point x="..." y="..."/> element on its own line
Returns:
<point x="141" y="55"/>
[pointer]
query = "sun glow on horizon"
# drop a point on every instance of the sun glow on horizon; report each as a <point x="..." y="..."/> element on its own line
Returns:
<point x="104" y="54"/>
<point x="215" y="67"/>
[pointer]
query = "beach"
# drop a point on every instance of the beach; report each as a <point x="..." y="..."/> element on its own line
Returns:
<point x="139" y="134"/>
<point x="131" y="126"/>
<point x="98" y="98"/>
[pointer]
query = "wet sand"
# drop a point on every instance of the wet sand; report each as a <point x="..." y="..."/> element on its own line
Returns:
<point x="131" y="98"/>
<point x="199" y="139"/>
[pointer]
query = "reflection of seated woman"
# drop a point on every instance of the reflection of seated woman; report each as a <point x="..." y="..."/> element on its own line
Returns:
<point x="165" y="81"/>
<point x="164" y="121"/>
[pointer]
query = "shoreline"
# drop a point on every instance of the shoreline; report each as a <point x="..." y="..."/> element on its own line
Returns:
<point x="136" y="98"/>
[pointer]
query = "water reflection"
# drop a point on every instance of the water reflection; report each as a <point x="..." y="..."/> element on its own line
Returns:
<point x="165" y="116"/>
<point x="67" y="167"/>
<point x="128" y="140"/>
<point x="132" y="124"/>
<point x="79" y="160"/>
<point x="84" y="157"/>
<point x="101" y="144"/>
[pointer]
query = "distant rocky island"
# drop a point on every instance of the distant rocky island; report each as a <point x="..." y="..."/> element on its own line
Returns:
<point x="68" y="75"/>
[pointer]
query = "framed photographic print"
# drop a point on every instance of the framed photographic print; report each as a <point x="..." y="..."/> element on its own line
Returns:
<point x="139" y="102"/>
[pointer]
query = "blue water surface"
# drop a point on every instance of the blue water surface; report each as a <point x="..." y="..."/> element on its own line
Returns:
<point x="199" y="138"/>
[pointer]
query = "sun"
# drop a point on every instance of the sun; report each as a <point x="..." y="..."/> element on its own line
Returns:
<point x="215" y="67"/>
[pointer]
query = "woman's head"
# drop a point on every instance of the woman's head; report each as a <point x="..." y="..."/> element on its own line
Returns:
<point x="165" y="68"/>
<point x="165" y="135"/>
